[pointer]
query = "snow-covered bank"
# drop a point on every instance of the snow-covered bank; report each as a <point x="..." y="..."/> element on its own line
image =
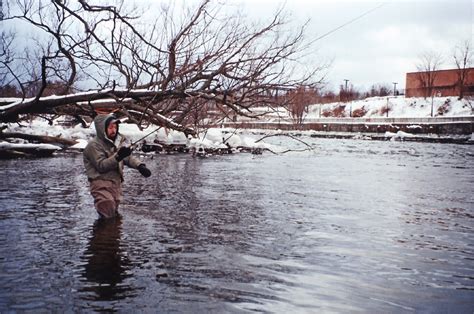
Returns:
<point x="6" y="145"/>
<point x="401" y="107"/>
<point x="214" y="138"/>
<point x="225" y="138"/>
<point x="387" y="136"/>
<point x="373" y="107"/>
<point x="14" y="150"/>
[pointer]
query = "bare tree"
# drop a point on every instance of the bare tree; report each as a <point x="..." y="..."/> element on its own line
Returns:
<point x="298" y="101"/>
<point x="379" y="90"/>
<point x="327" y="96"/>
<point x="348" y="93"/>
<point x="159" y="69"/>
<point x="463" y="58"/>
<point x="428" y="67"/>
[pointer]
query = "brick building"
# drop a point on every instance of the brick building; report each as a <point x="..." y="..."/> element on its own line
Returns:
<point x="445" y="83"/>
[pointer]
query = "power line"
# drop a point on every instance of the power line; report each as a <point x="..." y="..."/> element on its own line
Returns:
<point x="349" y="22"/>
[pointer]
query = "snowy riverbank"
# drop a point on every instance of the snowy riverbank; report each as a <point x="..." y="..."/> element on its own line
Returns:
<point x="223" y="138"/>
<point x="375" y="107"/>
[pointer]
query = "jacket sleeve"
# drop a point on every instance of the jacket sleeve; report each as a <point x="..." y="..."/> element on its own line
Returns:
<point x="97" y="156"/>
<point x="132" y="162"/>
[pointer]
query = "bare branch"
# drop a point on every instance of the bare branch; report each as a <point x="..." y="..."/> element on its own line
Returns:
<point x="463" y="58"/>
<point x="208" y="65"/>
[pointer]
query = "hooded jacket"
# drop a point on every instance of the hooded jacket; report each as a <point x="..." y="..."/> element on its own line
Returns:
<point x="99" y="154"/>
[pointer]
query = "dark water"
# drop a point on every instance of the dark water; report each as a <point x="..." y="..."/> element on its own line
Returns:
<point x="356" y="226"/>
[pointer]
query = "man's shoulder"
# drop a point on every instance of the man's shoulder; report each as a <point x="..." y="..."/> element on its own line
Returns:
<point x="93" y="144"/>
<point x="93" y="141"/>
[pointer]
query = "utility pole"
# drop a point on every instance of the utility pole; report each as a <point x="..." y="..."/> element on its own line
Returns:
<point x="395" y="88"/>
<point x="345" y="90"/>
<point x="346" y="98"/>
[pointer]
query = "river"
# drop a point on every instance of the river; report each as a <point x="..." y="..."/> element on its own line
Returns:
<point x="353" y="226"/>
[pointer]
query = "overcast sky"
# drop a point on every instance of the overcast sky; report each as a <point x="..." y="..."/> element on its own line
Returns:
<point x="384" y="44"/>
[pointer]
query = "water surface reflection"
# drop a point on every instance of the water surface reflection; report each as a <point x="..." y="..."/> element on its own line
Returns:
<point x="106" y="265"/>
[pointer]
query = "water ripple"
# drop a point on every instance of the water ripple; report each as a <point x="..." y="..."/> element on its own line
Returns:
<point x="356" y="227"/>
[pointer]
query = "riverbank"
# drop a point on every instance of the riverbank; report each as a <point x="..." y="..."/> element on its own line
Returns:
<point x="378" y="118"/>
<point x="388" y="136"/>
<point x="458" y="130"/>
<point x="234" y="137"/>
<point x="461" y="125"/>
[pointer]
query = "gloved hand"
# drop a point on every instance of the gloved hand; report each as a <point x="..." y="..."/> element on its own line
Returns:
<point x="144" y="170"/>
<point x="123" y="152"/>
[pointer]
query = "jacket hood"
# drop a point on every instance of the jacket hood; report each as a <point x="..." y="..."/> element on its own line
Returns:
<point x="100" y="122"/>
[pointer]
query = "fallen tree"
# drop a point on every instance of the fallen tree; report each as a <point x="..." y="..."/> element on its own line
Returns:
<point x="12" y="150"/>
<point x="38" y="138"/>
<point x="150" y="67"/>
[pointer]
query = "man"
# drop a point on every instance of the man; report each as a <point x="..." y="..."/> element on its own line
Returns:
<point x="104" y="161"/>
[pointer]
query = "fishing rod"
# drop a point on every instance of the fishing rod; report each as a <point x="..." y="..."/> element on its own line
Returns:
<point x="143" y="137"/>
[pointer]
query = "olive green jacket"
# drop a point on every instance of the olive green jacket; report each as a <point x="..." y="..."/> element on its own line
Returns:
<point x="99" y="155"/>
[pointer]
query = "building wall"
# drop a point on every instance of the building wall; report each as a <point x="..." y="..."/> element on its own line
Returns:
<point x="445" y="84"/>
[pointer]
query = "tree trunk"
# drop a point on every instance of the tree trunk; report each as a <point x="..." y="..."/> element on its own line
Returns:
<point x="38" y="138"/>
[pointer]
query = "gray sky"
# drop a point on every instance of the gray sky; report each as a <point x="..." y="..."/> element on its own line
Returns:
<point x="383" y="45"/>
<point x="378" y="48"/>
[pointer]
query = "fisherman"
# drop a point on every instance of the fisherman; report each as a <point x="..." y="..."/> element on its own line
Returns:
<point x="104" y="157"/>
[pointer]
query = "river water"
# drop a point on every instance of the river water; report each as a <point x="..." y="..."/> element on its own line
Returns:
<point x="353" y="226"/>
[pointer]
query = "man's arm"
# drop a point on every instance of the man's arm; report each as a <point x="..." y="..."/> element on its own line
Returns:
<point x="132" y="162"/>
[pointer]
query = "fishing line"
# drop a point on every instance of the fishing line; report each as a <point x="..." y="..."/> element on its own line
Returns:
<point x="349" y="22"/>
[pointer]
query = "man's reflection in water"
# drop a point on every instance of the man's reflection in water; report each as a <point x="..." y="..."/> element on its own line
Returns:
<point x="106" y="264"/>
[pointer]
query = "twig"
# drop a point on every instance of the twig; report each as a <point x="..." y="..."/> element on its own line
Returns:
<point x="288" y="135"/>
<point x="295" y="150"/>
<point x="233" y="133"/>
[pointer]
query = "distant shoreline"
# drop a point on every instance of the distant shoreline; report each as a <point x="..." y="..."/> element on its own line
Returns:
<point x="374" y="126"/>
<point x="458" y="130"/>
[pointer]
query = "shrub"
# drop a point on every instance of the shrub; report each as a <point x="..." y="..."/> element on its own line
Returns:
<point x="360" y="112"/>
<point x="339" y="111"/>
<point x="385" y="110"/>
<point x="326" y="113"/>
<point x="444" y="108"/>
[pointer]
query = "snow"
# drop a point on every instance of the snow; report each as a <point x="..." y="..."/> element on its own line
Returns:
<point x="17" y="101"/>
<point x="216" y="138"/>
<point x="401" y="107"/>
<point x="81" y="144"/>
<point x="41" y="126"/>
<point x="7" y="145"/>
<point x="399" y="134"/>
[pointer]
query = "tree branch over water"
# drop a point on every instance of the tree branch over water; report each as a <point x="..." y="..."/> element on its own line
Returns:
<point x="309" y="148"/>
<point x="162" y="68"/>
